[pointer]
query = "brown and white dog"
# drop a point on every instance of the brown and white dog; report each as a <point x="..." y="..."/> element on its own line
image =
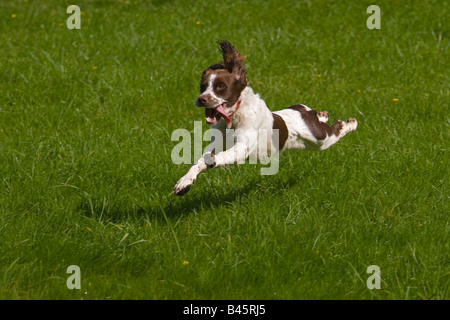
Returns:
<point x="230" y="103"/>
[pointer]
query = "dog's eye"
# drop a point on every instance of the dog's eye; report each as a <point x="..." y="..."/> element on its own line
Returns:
<point x="221" y="86"/>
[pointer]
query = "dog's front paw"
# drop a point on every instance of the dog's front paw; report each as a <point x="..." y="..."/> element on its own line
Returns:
<point x="210" y="160"/>
<point x="183" y="185"/>
<point x="179" y="191"/>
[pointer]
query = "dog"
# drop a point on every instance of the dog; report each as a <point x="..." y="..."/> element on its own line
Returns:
<point x="230" y="103"/>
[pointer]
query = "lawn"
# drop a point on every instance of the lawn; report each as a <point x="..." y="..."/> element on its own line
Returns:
<point x="86" y="176"/>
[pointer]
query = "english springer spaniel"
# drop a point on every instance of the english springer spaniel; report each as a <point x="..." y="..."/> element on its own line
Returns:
<point x="230" y="103"/>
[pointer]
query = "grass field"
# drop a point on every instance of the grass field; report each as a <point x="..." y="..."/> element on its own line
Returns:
<point x="86" y="175"/>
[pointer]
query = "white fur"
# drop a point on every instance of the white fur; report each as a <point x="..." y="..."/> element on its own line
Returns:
<point x="252" y="117"/>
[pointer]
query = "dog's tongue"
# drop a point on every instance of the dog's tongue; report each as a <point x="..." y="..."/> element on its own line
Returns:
<point x="221" y="110"/>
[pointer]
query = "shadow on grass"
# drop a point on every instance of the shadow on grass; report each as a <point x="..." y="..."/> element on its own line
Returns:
<point x="173" y="207"/>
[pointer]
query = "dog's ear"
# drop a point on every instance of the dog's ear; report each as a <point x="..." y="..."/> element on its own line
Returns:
<point x="233" y="61"/>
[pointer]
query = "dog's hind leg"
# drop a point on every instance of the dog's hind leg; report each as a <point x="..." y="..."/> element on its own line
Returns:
<point x="339" y="129"/>
<point x="323" y="116"/>
<point x="348" y="126"/>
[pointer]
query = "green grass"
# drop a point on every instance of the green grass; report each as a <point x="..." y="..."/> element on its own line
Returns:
<point x="86" y="176"/>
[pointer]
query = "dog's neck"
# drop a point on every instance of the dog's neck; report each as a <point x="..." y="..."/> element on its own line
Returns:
<point x="250" y="107"/>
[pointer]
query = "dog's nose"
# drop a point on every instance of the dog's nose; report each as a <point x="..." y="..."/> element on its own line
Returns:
<point x="202" y="100"/>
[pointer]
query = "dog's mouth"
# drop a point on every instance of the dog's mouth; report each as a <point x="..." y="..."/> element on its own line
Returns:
<point x="213" y="115"/>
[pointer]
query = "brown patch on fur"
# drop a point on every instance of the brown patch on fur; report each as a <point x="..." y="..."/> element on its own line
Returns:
<point x="225" y="86"/>
<point x="283" y="133"/>
<point x="205" y="75"/>
<point x="231" y="57"/>
<point x="230" y="72"/>
<point x="233" y="62"/>
<point x="320" y="130"/>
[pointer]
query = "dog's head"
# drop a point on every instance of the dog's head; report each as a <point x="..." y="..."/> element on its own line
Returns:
<point x="222" y="84"/>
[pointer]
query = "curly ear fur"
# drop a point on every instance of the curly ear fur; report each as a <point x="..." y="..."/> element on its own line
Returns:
<point x="233" y="61"/>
